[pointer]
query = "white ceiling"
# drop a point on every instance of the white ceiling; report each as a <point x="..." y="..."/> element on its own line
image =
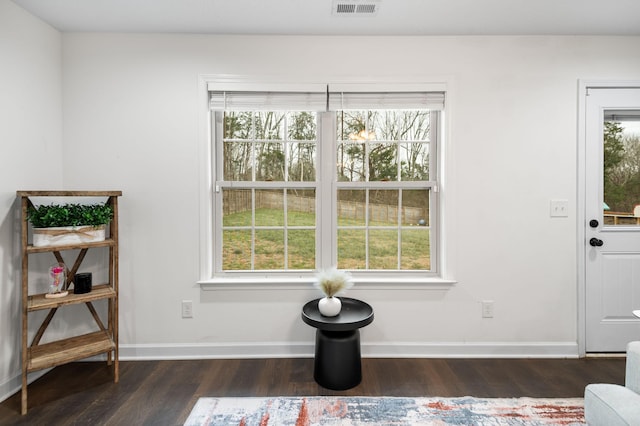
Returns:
<point x="315" y="17"/>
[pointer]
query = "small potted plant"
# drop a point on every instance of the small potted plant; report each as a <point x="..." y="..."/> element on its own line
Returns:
<point x="332" y="282"/>
<point x="55" y="225"/>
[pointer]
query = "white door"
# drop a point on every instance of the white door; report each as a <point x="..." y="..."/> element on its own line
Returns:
<point x="612" y="213"/>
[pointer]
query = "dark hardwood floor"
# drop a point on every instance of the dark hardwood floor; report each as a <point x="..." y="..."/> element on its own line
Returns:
<point x="163" y="392"/>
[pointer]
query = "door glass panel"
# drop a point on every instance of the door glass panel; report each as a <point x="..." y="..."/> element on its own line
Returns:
<point x="621" y="168"/>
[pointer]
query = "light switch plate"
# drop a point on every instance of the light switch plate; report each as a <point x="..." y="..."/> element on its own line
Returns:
<point x="559" y="208"/>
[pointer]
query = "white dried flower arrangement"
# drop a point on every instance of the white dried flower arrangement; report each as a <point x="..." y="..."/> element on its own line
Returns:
<point x="332" y="282"/>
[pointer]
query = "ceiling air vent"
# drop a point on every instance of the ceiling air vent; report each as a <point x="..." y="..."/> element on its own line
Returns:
<point x="355" y="7"/>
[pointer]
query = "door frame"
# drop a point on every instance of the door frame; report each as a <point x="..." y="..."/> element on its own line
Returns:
<point x="581" y="220"/>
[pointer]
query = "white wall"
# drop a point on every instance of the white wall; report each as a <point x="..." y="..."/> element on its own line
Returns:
<point x="131" y="120"/>
<point x="31" y="155"/>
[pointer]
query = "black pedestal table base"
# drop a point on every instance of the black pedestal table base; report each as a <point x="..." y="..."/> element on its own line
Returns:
<point x="337" y="364"/>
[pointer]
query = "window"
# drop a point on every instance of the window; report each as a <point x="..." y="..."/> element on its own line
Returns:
<point x="268" y="190"/>
<point x="309" y="180"/>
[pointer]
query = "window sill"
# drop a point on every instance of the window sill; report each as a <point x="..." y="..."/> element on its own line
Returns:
<point x="304" y="283"/>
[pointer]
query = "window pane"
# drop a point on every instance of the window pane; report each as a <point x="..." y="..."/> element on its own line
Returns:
<point x="351" y="249"/>
<point x="383" y="249"/>
<point x="383" y="207"/>
<point x="237" y="125"/>
<point x="269" y="125"/>
<point x="238" y="160"/>
<point x="269" y="161"/>
<point x="350" y="162"/>
<point x="351" y="207"/>
<point x="301" y="162"/>
<point x="384" y="125"/>
<point x="352" y="125"/>
<point x="415" y="207"/>
<point x="301" y="207"/>
<point x="383" y="161"/>
<point x="236" y="250"/>
<point x="414" y="161"/>
<point x="236" y="207"/>
<point x="269" y="249"/>
<point x="302" y="249"/>
<point x="302" y="126"/>
<point x="621" y="170"/>
<point x="414" y="125"/>
<point x="269" y="207"/>
<point x="415" y="249"/>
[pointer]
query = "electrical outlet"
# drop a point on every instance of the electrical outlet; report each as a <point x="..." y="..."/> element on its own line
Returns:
<point x="487" y="309"/>
<point x="187" y="309"/>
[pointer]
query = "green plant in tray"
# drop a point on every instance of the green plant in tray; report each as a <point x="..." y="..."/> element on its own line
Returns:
<point x="56" y="215"/>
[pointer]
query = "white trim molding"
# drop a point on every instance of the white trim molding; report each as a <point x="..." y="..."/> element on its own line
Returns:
<point x="249" y="350"/>
<point x="581" y="220"/>
<point x="306" y="283"/>
<point x="445" y="271"/>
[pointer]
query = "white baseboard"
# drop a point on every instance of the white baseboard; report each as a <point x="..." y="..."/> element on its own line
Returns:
<point x="369" y="350"/>
<point x="472" y="350"/>
<point x="215" y="351"/>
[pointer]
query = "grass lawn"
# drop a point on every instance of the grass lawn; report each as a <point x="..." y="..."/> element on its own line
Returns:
<point x="300" y="248"/>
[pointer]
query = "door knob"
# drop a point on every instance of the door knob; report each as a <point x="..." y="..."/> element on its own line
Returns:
<point x="594" y="242"/>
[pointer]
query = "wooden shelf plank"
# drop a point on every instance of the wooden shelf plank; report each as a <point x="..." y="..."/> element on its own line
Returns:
<point x="72" y="349"/>
<point x="39" y="301"/>
<point x="106" y="243"/>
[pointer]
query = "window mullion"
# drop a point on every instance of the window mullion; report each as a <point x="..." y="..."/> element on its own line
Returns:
<point x="254" y="137"/>
<point x="399" y="227"/>
<point x="217" y="152"/>
<point x="253" y="228"/>
<point x="434" y="195"/>
<point x="285" y="229"/>
<point x="366" y="226"/>
<point x="326" y="219"/>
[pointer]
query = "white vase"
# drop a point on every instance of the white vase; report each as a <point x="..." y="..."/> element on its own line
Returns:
<point x="329" y="306"/>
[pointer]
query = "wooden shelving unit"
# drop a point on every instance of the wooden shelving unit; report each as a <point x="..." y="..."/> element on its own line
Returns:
<point x="36" y="356"/>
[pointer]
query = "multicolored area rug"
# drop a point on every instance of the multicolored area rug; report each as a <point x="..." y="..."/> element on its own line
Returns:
<point x="353" y="411"/>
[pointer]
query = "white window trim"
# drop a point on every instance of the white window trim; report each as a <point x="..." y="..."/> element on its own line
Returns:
<point x="304" y="283"/>
<point x="385" y="280"/>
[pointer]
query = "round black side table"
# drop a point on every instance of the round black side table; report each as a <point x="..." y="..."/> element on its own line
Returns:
<point x="337" y="364"/>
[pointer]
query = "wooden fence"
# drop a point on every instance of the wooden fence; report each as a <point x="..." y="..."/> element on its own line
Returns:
<point x="239" y="201"/>
<point x="620" y="218"/>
